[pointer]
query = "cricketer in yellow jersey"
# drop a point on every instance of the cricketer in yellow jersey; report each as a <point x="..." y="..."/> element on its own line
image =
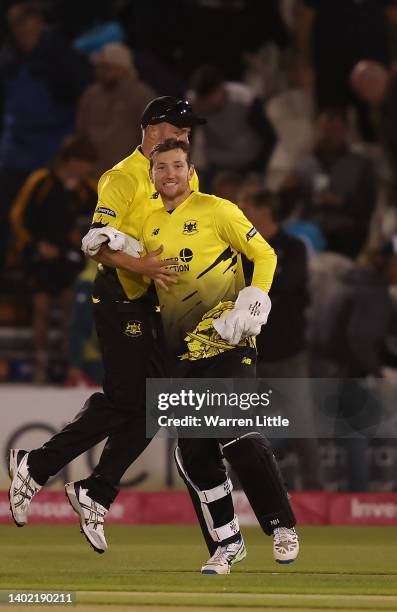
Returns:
<point x="206" y="235"/>
<point x="129" y="335"/>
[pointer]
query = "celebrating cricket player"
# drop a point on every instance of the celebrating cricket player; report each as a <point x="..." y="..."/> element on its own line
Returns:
<point x="210" y="320"/>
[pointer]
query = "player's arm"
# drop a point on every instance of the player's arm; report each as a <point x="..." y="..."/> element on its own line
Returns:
<point x="234" y="228"/>
<point x="253" y="304"/>
<point x="116" y="193"/>
<point x="112" y="248"/>
<point x="157" y="270"/>
<point x="149" y="265"/>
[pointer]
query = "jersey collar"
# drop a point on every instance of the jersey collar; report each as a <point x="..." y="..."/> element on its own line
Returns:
<point x="181" y="206"/>
<point x="141" y="156"/>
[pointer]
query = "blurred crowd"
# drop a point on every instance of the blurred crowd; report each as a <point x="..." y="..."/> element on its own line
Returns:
<point x="301" y="132"/>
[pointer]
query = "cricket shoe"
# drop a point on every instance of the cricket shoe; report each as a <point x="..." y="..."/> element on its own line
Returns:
<point x="285" y="544"/>
<point x="91" y="515"/>
<point x="23" y="487"/>
<point x="224" y="557"/>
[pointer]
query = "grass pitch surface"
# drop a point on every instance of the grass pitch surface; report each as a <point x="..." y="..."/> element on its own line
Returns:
<point x="157" y="568"/>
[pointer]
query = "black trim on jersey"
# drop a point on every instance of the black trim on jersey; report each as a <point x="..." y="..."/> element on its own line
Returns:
<point x="189" y="296"/>
<point x="185" y="314"/>
<point x="98" y="224"/>
<point x="232" y="263"/>
<point x="227" y="254"/>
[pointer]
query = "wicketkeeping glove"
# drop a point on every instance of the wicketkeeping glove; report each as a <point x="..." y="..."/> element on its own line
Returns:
<point x="250" y="312"/>
<point x="115" y="240"/>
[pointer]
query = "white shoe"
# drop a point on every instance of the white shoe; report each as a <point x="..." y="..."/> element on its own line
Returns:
<point x="224" y="557"/>
<point x="91" y="515"/>
<point x="23" y="487"/>
<point x="285" y="544"/>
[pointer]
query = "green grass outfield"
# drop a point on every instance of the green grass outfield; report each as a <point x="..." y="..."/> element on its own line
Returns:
<point x="157" y="568"/>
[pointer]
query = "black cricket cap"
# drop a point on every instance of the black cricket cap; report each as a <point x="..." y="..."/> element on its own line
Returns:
<point x="171" y="110"/>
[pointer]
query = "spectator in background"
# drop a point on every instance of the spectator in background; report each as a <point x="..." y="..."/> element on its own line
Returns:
<point x="347" y="333"/>
<point x="335" y="187"/>
<point x="377" y="86"/>
<point x="156" y="31"/>
<point x="176" y="47"/>
<point x="346" y="340"/>
<point x="227" y="184"/>
<point x="292" y="114"/>
<point x="110" y="110"/>
<point x="370" y="81"/>
<point x="246" y="25"/>
<point x="75" y="18"/>
<point x="41" y="79"/>
<point x="334" y="36"/>
<point x="45" y="218"/>
<point x="238" y="135"/>
<point x="281" y="344"/>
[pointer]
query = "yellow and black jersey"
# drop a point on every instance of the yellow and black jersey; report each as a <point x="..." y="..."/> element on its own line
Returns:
<point x="126" y="197"/>
<point x="206" y="235"/>
<point x="204" y="341"/>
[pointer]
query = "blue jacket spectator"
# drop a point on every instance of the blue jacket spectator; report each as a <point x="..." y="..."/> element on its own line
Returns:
<point x="41" y="79"/>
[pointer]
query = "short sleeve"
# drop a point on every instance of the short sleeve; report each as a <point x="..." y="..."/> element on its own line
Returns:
<point x="116" y="192"/>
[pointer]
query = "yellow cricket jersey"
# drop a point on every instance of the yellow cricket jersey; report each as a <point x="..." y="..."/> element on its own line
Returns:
<point x="206" y="235"/>
<point x="126" y="197"/>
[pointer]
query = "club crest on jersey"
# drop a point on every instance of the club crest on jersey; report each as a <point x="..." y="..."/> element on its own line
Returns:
<point x="190" y="227"/>
<point x="133" y="329"/>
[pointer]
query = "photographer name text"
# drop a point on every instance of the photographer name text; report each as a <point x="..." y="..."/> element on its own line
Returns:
<point x="217" y="421"/>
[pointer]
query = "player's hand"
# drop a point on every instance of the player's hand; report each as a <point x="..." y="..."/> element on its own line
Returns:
<point x="116" y="241"/>
<point x="235" y="326"/>
<point x="156" y="269"/>
<point x="250" y="312"/>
